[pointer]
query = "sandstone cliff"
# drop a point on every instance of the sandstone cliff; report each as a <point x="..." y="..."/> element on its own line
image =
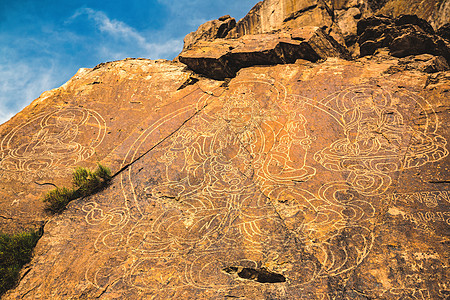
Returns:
<point x="299" y="153"/>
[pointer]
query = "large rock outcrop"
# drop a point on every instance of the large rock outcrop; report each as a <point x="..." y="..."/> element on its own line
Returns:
<point x="436" y="12"/>
<point x="223" y="58"/>
<point x="405" y="35"/>
<point x="264" y="164"/>
<point x="271" y="15"/>
<point x="210" y="30"/>
<point x="338" y="17"/>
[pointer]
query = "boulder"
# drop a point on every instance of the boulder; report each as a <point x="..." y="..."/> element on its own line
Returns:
<point x="346" y="4"/>
<point x="424" y="63"/>
<point x="223" y="58"/>
<point x="347" y="21"/>
<point x="414" y="20"/>
<point x="210" y="30"/>
<point x="435" y="12"/>
<point x="413" y="43"/>
<point x="404" y="36"/>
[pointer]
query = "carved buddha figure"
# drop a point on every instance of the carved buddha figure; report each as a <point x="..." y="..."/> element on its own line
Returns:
<point x="245" y="144"/>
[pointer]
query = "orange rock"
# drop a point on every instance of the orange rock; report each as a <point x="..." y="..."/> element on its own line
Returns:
<point x="285" y="171"/>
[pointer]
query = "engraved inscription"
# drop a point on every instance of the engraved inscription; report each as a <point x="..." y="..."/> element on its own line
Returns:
<point x="422" y="208"/>
<point x="50" y="144"/>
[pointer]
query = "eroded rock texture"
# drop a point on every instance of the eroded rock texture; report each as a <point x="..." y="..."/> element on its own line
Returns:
<point x="282" y="169"/>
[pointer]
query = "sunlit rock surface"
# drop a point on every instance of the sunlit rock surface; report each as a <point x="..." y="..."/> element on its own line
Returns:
<point x="299" y="178"/>
<point x="79" y="123"/>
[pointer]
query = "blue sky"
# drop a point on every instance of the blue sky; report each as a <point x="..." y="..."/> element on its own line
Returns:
<point x="44" y="42"/>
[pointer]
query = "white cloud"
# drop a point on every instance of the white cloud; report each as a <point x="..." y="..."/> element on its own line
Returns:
<point x="21" y="82"/>
<point x="131" y="40"/>
<point x="24" y="78"/>
<point x="106" y="25"/>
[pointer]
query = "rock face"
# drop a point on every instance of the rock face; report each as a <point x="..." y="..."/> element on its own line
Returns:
<point x="338" y="17"/>
<point x="76" y="124"/>
<point x="270" y="165"/>
<point x="272" y="15"/>
<point x="436" y="12"/>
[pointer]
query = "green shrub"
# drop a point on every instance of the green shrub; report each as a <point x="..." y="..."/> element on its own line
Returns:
<point x="80" y="176"/>
<point x="85" y="183"/>
<point x="57" y="199"/>
<point x="15" y="251"/>
<point x="103" y="172"/>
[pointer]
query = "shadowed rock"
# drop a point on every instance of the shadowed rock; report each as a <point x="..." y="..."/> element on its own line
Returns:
<point x="444" y="31"/>
<point x="405" y="35"/>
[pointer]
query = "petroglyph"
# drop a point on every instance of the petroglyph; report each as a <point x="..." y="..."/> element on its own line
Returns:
<point x="431" y="199"/>
<point x="379" y="138"/>
<point x="50" y="144"/>
<point x="423" y="209"/>
<point x="239" y="187"/>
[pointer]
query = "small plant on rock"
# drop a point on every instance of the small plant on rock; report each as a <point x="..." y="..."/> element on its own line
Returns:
<point x="88" y="182"/>
<point x="57" y="199"/>
<point x="85" y="183"/>
<point x="15" y="251"/>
